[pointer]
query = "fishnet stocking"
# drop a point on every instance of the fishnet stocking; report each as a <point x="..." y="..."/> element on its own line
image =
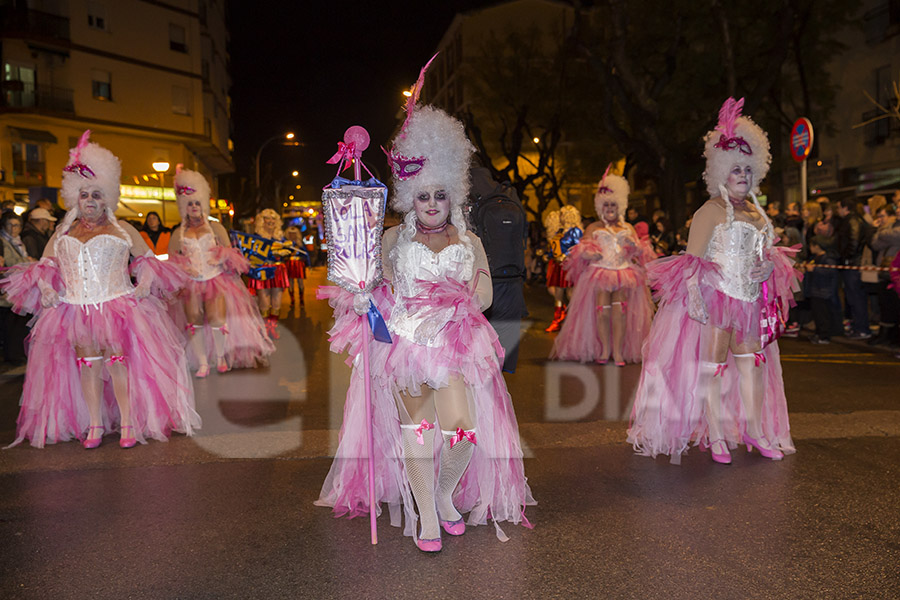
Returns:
<point x="453" y="464"/>
<point x="419" y="461"/>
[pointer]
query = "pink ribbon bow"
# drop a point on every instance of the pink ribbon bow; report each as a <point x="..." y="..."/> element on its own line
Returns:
<point x="759" y="358"/>
<point x="720" y="370"/>
<point x="425" y="426"/>
<point x="117" y="359"/>
<point x="190" y="327"/>
<point x="460" y="435"/>
<point x="224" y="329"/>
<point x="346" y="151"/>
<point x="83" y="361"/>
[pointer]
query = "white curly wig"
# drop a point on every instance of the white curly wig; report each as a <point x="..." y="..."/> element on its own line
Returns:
<point x="91" y="165"/>
<point x="570" y="217"/>
<point x="615" y="188"/>
<point x="727" y="145"/>
<point x="259" y="228"/>
<point x="191" y="185"/>
<point x="441" y="140"/>
<point x="551" y="222"/>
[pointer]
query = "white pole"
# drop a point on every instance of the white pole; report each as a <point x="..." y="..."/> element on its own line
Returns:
<point x="803" y="190"/>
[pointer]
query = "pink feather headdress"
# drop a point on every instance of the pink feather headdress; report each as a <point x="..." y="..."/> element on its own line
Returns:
<point x="76" y="166"/>
<point x="728" y="116"/>
<point x="405" y="167"/>
<point x="603" y="188"/>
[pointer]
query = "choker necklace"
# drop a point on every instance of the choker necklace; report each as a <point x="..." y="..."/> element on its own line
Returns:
<point x="193" y="223"/>
<point x="88" y="226"/>
<point x="737" y="203"/>
<point x="425" y="229"/>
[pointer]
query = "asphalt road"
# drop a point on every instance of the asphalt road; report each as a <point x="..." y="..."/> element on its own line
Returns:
<point x="229" y="513"/>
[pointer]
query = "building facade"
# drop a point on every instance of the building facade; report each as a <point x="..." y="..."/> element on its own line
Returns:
<point x="149" y="78"/>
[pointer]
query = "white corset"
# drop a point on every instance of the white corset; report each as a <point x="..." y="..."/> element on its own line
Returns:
<point x="415" y="263"/>
<point x="737" y="249"/>
<point x="612" y="248"/>
<point x="95" y="271"/>
<point x="199" y="251"/>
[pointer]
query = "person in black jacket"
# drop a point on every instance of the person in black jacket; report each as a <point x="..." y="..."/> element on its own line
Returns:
<point x="850" y="231"/>
<point x="37" y="231"/>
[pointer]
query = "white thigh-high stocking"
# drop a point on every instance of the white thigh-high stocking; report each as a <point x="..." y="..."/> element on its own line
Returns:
<point x="752" y="385"/>
<point x="603" y="326"/>
<point x="710" y="384"/>
<point x="91" y="371"/>
<point x="218" y="334"/>
<point x="618" y="331"/>
<point x="118" y="373"/>
<point x="455" y="455"/>
<point x="198" y="345"/>
<point x="419" y="461"/>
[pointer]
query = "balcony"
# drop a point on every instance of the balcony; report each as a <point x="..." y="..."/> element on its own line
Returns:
<point x="33" y="23"/>
<point x="17" y="94"/>
<point x="29" y="172"/>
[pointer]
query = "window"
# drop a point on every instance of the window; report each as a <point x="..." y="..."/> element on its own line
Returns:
<point x="100" y="85"/>
<point x="181" y="100"/>
<point x="177" y="38"/>
<point x="28" y="162"/>
<point x="97" y="15"/>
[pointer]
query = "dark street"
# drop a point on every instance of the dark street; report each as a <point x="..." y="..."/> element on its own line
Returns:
<point x="229" y="513"/>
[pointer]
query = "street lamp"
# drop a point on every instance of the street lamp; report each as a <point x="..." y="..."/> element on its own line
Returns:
<point x="161" y="166"/>
<point x="289" y="140"/>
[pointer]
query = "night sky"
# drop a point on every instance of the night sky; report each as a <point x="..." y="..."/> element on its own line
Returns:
<point x="315" y="68"/>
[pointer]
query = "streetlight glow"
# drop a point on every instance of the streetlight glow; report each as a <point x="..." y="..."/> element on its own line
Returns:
<point x="161" y="166"/>
<point x="536" y="140"/>
<point x="289" y="136"/>
<point x="407" y="93"/>
<point x="295" y="173"/>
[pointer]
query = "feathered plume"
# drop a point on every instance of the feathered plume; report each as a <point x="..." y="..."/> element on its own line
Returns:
<point x="416" y="91"/>
<point x="76" y="151"/>
<point x="600" y="187"/>
<point x="728" y="116"/>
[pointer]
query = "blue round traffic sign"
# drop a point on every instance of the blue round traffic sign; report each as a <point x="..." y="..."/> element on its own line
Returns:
<point x="801" y="139"/>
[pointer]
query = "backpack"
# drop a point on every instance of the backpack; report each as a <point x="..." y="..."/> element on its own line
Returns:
<point x="499" y="220"/>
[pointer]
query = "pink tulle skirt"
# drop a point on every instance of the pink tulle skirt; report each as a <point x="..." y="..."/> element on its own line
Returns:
<point x="247" y="343"/>
<point x="579" y="338"/>
<point x="669" y="413"/>
<point x="494" y="485"/>
<point x="160" y="391"/>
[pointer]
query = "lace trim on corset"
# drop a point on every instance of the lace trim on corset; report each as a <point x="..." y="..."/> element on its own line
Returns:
<point x="614" y="257"/>
<point x="95" y="271"/>
<point x="198" y="251"/>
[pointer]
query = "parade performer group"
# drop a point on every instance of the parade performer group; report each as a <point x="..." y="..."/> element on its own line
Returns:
<point x="711" y="373"/>
<point x="104" y="356"/>
<point x="611" y="309"/>
<point x="438" y="393"/>
<point x="222" y="321"/>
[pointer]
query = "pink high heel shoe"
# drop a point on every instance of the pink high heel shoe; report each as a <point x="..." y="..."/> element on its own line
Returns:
<point x="454" y="527"/>
<point x="202" y="372"/>
<point x="127" y="442"/>
<point x="772" y="453"/>
<point x="429" y="545"/>
<point x="90" y="443"/>
<point x="222" y="366"/>
<point x="722" y="459"/>
<point x="620" y="363"/>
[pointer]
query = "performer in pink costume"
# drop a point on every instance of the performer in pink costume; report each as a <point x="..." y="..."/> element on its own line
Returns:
<point x="222" y="321"/>
<point x="438" y="394"/>
<point x="92" y="326"/>
<point x="711" y="374"/>
<point x="611" y="309"/>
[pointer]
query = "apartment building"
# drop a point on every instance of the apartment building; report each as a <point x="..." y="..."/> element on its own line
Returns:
<point x="149" y="78"/>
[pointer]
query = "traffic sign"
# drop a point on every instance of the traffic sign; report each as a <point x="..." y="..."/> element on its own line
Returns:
<point x="801" y="139"/>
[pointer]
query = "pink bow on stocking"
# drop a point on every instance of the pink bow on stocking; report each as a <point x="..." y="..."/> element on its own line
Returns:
<point x="423" y="427"/>
<point x="461" y="435"/>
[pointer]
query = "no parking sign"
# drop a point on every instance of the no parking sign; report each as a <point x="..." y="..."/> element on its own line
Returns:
<point x="801" y="139"/>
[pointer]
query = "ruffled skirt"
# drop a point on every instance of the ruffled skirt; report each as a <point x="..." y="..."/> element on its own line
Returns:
<point x="494" y="485"/>
<point x="160" y="391"/>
